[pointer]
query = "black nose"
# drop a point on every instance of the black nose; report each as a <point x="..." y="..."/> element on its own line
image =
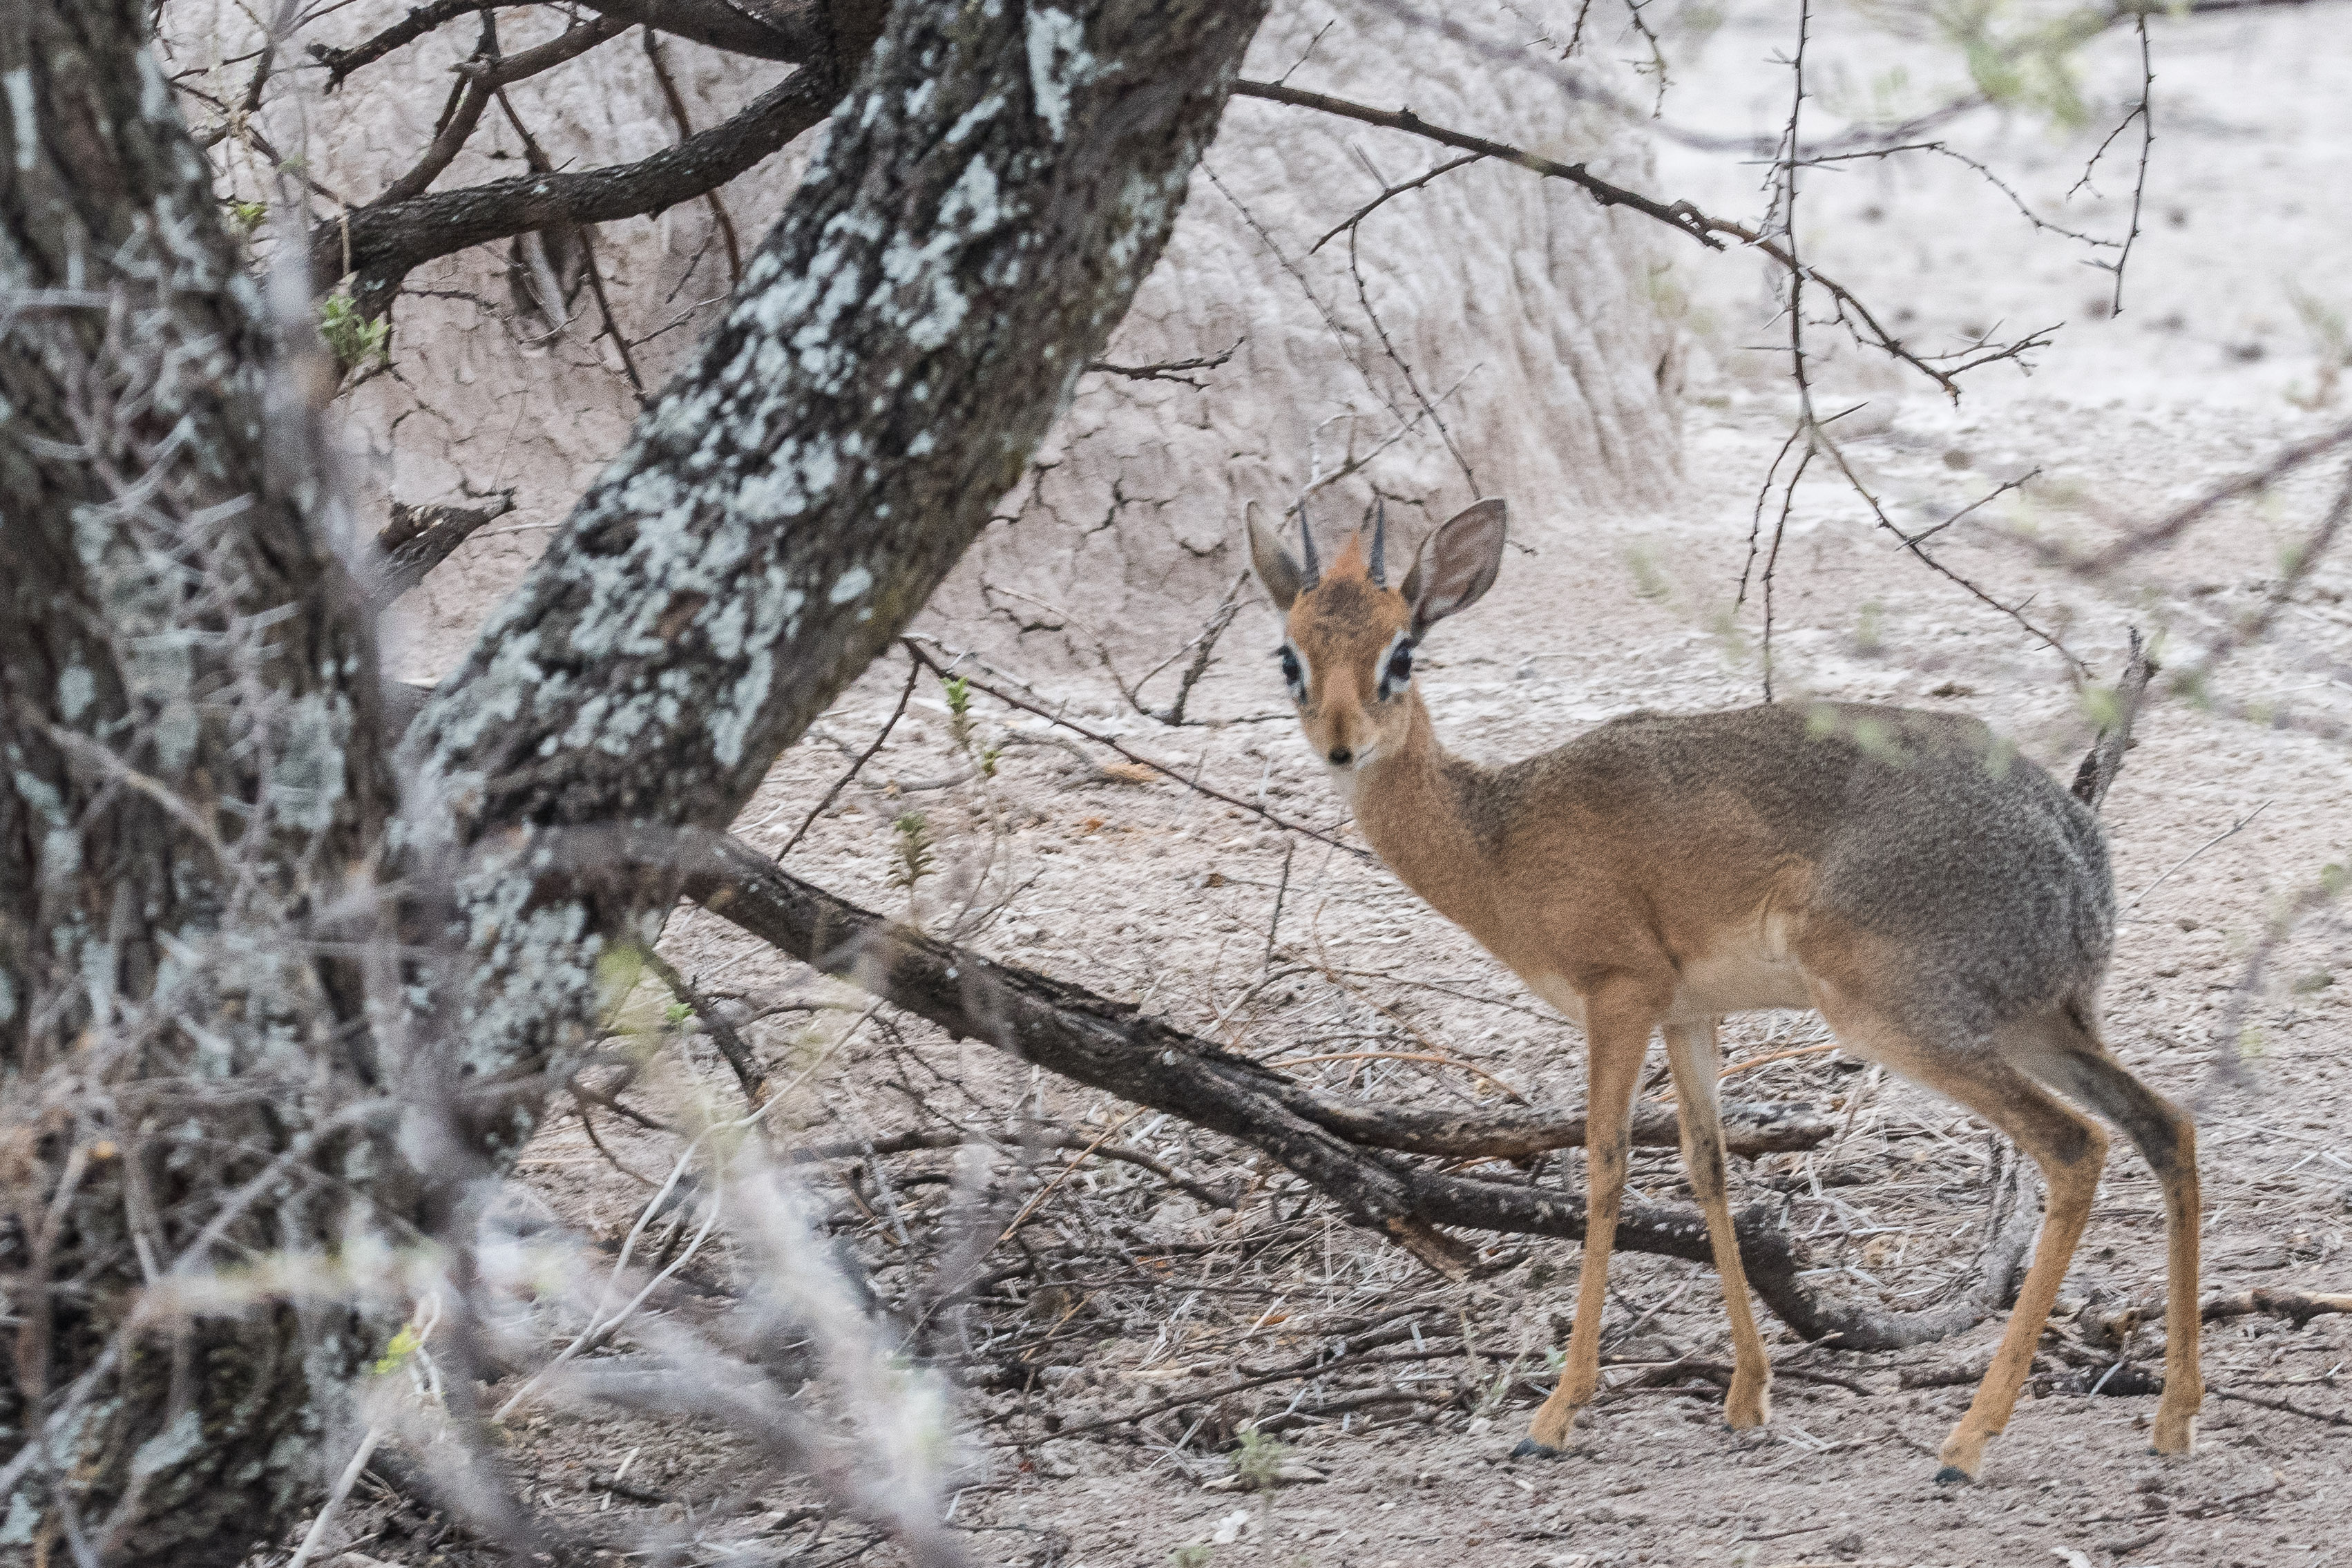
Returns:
<point x="1340" y="754"/>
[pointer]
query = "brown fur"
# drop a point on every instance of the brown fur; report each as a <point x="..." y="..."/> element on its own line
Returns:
<point x="1946" y="906"/>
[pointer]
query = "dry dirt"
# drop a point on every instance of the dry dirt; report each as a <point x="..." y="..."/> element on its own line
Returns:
<point x="1121" y="1293"/>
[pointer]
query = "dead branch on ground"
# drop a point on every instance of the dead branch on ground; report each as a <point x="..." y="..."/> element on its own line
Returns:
<point x="1113" y="1046"/>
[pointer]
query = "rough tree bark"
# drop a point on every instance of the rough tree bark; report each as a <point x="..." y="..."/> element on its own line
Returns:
<point x="194" y="773"/>
<point x="961" y="248"/>
<point x="192" y="780"/>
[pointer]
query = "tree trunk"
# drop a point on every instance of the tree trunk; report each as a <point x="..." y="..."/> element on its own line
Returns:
<point x="194" y="778"/>
<point x="984" y="209"/>
<point x="195" y="789"/>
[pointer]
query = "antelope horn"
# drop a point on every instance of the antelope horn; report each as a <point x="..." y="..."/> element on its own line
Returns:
<point x="1381" y="544"/>
<point x="1307" y="544"/>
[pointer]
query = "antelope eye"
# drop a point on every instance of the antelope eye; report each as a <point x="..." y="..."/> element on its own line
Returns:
<point x="1293" y="674"/>
<point x="1396" y="673"/>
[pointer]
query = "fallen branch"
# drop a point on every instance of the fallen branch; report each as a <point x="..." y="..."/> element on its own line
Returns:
<point x="1043" y="1138"/>
<point x="1113" y="1046"/>
<point x="1750" y="1128"/>
<point x="2327" y="1417"/>
<point x="2298" y="1306"/>
<point x="2104" y="760"/>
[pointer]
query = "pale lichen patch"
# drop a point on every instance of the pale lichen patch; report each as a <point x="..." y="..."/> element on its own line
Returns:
<point x="1058" y="61"/>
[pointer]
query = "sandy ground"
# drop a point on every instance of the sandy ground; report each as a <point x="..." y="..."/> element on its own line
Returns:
<point x="1120" y="1294"/>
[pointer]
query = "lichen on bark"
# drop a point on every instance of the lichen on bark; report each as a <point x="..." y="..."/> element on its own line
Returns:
<point x="989" y="198"/>
<point x="192" y="778"/>
<point x="194" y="790"/>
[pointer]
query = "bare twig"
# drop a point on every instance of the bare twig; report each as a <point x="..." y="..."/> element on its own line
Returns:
<point x="1982" y="170"/>
<point x="2144" y="113"/>
<point x="1354" y="219"/>
<point x="914" y="673"/>
<point x="420" y="20"/>
<point x="913" y="646"/>
<point x="723" y="1034"/>
<point x="2229" y="831"/>
<point x="1169" y="370"/>
<point x="1857" y="318"/>
<point x="685" y="122"/>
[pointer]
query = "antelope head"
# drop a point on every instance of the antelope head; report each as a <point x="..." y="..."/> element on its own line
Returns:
<point x="1347" y="657"/>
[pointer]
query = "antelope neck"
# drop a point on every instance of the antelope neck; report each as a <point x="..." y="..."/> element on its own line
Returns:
<point x="1414" y="805"/>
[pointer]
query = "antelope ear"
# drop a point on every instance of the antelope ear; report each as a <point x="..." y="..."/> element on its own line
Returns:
<point x="1457" y="565"/>
<point x="1284" y="578"/>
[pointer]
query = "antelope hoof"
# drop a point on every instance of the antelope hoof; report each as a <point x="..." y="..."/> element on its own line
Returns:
<point x="2175" y="1435"/>
<point x="1746" y="1408"/>
<point x="1963" y="1455"/>
<point x="1529" y="1448"/>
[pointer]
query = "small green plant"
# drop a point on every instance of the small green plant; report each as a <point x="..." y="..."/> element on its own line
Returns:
<point x="1195" y="1555"/>
<point x="2034" y="66"/>
<point x="677" y="1014"/>
<point x="1258" y="1465"/>
<point x="913" y="848"/>
<point x="958" y="692"/>
<point x="404" y="1345"/>
<point x="1870" y="629"/>
<point x="247" y="216"/>
<point x="1649" y="583"/>
<point x="2331" y="342"/>
<point x="351" y="337"/>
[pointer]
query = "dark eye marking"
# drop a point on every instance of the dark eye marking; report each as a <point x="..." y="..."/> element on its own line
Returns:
<point x="1396" y="671"/>
<point x="1294" y="673"/>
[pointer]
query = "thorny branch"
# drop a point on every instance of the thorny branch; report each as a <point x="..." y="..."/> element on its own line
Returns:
<point x="2143" y="113"/>
<point x="1943" y="369"/>
<point x="1811" y="430"/>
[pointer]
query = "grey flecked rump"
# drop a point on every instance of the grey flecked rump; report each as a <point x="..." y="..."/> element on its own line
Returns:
<point x="1992" y="878"/>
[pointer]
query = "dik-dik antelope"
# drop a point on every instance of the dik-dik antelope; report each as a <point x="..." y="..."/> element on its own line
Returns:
<point x="1947" y="909"/>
